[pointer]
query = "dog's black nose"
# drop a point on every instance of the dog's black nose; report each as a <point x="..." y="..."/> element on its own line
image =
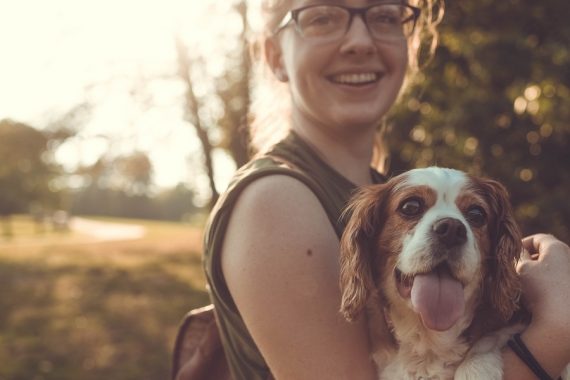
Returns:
<point x="450" y="231"/>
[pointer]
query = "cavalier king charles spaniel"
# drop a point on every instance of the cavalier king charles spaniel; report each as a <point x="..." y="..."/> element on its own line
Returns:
<point x="430" y="257"/>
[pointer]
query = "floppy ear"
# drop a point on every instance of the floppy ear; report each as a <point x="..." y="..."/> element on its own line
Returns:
<point x="357" y="248"/>
<point x="502" y="284"/>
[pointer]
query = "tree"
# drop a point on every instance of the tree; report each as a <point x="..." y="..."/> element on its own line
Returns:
<point x="232" y="92"/>
<point x="192" y="105"/>
<point x="135" y="172"/>
<point x="27" y="170"/>
<point x="121" y="187"/>
<point x="176" y="203"/>
<point x="496" y="101"/>
<point x="131" y="173"/>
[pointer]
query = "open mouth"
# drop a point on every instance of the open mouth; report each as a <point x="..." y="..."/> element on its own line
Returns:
<point x="437" y="296"/>
<point x="405" y="281"/>
<point x="356" y="79"/>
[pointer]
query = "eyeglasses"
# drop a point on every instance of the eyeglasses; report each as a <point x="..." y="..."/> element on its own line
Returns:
<point x="324" y="23"/>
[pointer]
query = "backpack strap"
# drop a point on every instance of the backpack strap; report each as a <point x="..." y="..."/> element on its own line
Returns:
<point x="198" y="352"/>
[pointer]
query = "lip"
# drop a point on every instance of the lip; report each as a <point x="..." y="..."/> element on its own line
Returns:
<point x="404" y="282"/>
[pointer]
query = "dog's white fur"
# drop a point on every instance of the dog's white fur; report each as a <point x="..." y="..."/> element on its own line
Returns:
<point x="379" y="242"/>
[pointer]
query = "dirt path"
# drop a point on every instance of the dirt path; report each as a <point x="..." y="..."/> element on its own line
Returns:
<point x="106" y="231"/>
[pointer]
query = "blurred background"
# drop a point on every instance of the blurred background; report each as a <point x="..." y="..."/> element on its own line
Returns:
<point x="121" y="121"/>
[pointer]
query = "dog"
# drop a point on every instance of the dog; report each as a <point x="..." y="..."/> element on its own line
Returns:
<point x="430" y="257"/>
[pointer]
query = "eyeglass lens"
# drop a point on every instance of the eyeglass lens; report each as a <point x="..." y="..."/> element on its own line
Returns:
<point x="329" y="21"/>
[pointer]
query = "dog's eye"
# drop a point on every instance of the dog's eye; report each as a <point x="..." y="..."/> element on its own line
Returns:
<point x="411" y="207"/>
<point x="476" y="216"/>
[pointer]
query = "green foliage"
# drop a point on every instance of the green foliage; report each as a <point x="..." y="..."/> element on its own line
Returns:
<point x="131" y="173"/>
<point x="172" y="204"/>
<point x="26" y="169"/>
<point x="121" y="186"/>
<point x="495" y="101"/>
<point x="136" y="172"/>
<point x="176" y="203"/>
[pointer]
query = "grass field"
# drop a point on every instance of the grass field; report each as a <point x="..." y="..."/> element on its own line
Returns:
<point x="74" y="308"/>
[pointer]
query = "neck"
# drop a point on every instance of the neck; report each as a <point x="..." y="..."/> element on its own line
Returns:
<point x="425" y="351"/>
<point x="349" y="152"/>
<point x="415" y="340"/>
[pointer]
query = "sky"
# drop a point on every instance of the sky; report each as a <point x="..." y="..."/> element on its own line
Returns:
<point x="118" y="56"/>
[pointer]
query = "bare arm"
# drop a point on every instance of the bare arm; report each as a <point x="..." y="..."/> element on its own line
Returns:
<point x="546" y="286"/>
<point x="280" y="260"/>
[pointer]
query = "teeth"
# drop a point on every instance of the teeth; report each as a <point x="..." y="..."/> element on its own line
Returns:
<point x="355" y="78"/>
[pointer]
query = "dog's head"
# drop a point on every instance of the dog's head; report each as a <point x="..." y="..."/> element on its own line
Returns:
<point x="435" y="241"/>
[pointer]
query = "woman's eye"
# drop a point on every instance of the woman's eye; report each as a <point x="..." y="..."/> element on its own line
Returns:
<point x="476" y="216"/>
<point x="315" y="18"/>
<point x="383" y="19"/>
<point x="320" y="20"/>
<point x="411" y="207"/>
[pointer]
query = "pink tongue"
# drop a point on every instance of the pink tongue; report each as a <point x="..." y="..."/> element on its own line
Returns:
<point x="438" y="298"/>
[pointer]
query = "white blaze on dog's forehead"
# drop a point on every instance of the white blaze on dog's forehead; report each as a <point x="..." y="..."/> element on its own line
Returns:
<point x="445" y="182"/>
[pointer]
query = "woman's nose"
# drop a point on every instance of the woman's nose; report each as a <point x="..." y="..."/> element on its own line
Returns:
<point x="357" y="38"/>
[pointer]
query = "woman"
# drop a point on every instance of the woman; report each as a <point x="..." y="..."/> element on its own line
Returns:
<point x="272" y="242"/>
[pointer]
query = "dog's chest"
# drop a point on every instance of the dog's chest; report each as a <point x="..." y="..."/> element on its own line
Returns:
<point x="409" y="365"/>
<point x="424" y="358"/>
<point x="409" y="369"/>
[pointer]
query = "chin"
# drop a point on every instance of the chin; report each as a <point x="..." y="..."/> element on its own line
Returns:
<point x="357" y="118"/>
<point x="430" y="257"/>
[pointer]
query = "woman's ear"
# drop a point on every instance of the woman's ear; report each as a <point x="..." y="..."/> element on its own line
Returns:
<point x="274" y="58"/>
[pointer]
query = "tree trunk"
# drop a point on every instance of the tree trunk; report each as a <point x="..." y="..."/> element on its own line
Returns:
<point x="192" y="108"/>
<point x="239" y="133"/>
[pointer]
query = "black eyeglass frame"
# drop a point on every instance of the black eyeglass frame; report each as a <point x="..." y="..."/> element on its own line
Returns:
<point x="293" y="15"/>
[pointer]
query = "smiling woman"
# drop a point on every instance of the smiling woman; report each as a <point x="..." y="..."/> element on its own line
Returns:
<point x="277" y="305"/>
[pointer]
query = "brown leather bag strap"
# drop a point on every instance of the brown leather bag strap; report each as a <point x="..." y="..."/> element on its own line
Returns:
<point x="198" y="352"/>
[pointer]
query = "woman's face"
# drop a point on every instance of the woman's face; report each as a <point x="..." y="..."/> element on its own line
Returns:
<point x="346" y="83"/>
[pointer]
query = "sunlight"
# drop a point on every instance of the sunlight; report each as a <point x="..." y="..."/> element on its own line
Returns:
<point x="117" y="56"/>
<point x="63" y="45"/>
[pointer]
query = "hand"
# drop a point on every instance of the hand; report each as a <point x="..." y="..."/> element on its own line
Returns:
<point x="544" y="270"/>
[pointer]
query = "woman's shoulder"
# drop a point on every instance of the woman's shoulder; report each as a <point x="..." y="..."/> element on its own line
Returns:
<point x="265" y="179"/>
<point x="267" y="203"/>
<point x="263" y="166"/>
<point x="278" y="198"/>
<point x="281" y="211"/>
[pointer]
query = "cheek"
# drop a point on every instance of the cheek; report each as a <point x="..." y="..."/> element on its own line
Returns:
<point x="390" y="246"/>
<point x="386" y="261"/>
<point x="484" y="244"/>
<point x="391" y="238"/>
<point x="303" y="60"/>
<point x="305" y="78"/>
<point x="395" y="57"/>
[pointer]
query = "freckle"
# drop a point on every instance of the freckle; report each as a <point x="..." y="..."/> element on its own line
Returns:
<point x="309" y="252"/>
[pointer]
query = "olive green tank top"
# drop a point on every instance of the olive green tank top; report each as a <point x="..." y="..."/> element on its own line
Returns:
<point x="292" y="157"/>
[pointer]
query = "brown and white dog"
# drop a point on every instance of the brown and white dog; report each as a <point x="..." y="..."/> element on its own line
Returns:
<point x="430" y="256"/>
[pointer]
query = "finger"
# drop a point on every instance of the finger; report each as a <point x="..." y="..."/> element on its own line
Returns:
<point x="532" y="243"/>
<point x="525" y="255"/>
<point x="524" y="261"/>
